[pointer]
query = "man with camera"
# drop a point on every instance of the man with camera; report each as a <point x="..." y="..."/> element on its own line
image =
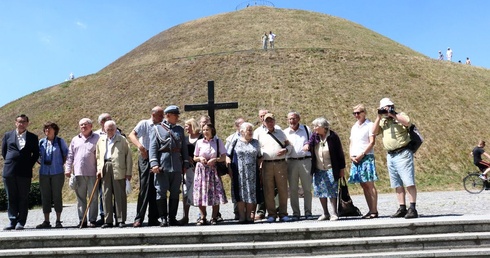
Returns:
<point x="394" y="128"/>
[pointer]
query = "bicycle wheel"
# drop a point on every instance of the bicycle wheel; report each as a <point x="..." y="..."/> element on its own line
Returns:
<point x="473" y="184"/>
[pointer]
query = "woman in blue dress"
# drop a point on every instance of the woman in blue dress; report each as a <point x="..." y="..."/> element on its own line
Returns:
<point x="244" y="157"/>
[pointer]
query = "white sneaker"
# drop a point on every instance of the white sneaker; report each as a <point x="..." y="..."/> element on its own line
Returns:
<point x="482" y="177"/>
<point x="324" y="217"/>
<point x="333" y="218"/>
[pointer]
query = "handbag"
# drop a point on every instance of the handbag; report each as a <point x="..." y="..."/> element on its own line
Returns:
<point x="221" y="167"/>
<point x="345" y="206"/>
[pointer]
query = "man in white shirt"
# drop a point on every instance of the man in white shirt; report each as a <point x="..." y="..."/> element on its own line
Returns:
<point x="299" y="165"/>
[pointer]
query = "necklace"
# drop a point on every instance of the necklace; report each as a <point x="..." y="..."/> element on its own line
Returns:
<point x="322" y="142"/>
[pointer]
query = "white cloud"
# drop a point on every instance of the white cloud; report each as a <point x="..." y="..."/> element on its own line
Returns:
<point x="81" y="25"/>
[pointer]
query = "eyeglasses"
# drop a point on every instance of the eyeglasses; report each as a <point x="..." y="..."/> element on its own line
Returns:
<point x="357" y="113"/>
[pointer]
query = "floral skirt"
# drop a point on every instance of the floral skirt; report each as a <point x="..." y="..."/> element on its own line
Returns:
<point x="208" y="188"/>
<point x="325" y="185"/>
<point x="364" y="171"/>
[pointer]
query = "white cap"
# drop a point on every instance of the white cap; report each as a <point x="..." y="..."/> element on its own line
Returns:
<point x="385" y="102"/>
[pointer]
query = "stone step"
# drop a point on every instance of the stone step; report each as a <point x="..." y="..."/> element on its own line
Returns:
<point x="344" y="247"/>
<point x="347" y="236"/>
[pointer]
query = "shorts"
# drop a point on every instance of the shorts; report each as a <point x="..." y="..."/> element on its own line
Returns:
<point x="401" y="168"/>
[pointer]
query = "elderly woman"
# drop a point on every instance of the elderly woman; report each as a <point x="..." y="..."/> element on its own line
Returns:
<point x="363" y="169"/>
<point x="328" y="164"/>
<point x="193" y="131"/>
<point x="244" y="156"/>
<point x="114" y="166"/>
<point x="208" y="188"/>
<point x="53" y="151"/>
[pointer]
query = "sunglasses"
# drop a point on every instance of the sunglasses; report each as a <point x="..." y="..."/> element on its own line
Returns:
<point x="357" y="113"/>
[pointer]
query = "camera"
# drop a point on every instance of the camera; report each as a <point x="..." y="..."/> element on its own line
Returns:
<point x="391" y="110"/>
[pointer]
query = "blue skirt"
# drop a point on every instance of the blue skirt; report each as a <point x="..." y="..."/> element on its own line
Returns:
<point x="364" y="171"/>
<point x="325" y="185"/>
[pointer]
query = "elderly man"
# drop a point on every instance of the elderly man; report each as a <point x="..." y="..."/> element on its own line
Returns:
<point x="20" y="152"/>
<point x="168" y="158"/>
<point x="299" y="164"/>
<point x="114" y="166"/>
<point x="274" y="147"/>
<point x="394" y="128"/>
<point x="140" y="136"/>
<point x="81" y="161"/>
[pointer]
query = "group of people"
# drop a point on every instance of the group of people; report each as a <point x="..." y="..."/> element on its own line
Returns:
<point x="268" y="39"/>
<point x="449" y="56"/>
<point x="264" y="164"/>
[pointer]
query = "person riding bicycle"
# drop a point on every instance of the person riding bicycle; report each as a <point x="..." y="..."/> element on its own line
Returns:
<point x="484" y="166"/>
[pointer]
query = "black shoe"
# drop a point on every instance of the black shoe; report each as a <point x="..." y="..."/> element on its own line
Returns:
<point x="121" y="224"/>
<point x="174" y="222"/>
<point x="45" y="224"/>
<point x="9" y="227"/>
<point x="400" y="213"/>
<point x="99" y="222"/>
<point x="153" y="223"/>
<point x="107" y="225"/>
<point x="412" y="214"/>
<point x="164" y="223"/>
<point x="82" y="226"/>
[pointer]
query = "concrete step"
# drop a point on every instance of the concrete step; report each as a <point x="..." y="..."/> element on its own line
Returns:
<point x="346" y="247"/>
<point x="306" y="238"/>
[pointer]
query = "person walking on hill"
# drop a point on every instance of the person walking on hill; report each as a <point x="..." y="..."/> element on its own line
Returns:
<point x="53" y="151"/>
<point x="140" y="137"/>
<point x="361" y="152"/>
<point x="168" y="158"/>
<point x="114" y="167"/>
<point x="264" y="39"/>
<point x="299" y="165"/>
<point x="468" y="61"/>
<point x="449" y="54"/>
<point x="20" y="151"/>
<point x="393" y="127"/>
<point x="272" y="37"/>
<point x="441" y="56"/>
<point x="81" y="161"/>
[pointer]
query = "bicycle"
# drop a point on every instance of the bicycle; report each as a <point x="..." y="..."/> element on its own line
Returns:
<point x="473" y="184"/>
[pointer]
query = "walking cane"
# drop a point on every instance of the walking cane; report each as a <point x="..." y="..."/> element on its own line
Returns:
<point x="90" y="201"/>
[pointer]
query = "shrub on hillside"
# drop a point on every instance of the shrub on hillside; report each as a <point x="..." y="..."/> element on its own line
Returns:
<point x="34" y="197"/>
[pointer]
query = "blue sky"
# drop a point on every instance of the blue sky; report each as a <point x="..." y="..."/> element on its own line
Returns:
<point x="43" y="41"/>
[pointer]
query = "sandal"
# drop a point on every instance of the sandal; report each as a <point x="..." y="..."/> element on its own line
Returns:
<point x="214" y="221"/>
<point x="58" y="224"/>
<point x="201" y="222"/>
<point x="370" y="215"/>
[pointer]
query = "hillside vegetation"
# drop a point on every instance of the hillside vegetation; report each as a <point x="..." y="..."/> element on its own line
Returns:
<point x="322" y="66"/>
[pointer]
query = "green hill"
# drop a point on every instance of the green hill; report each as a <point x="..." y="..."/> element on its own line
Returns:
<point x="322" y="66"/>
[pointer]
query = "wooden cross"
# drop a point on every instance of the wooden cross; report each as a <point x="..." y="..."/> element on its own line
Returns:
<point x="211" y="106"/>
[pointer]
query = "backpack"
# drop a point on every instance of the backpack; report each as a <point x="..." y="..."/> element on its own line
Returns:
<point x="416" y="138"/>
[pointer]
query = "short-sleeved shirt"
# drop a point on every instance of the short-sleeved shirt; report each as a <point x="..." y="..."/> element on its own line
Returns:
<point x="395" y="135"/>
<point x="477" y="152"/>
<point x="208" y="149"/>
<point x="143" y="131"/>
<point x="359" y="138"/>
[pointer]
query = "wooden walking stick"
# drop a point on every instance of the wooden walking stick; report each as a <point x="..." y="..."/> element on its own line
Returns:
<point x="90" y="201"/>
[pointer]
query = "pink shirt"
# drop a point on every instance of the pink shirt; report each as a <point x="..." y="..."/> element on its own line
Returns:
<point x="207" y="149"/>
